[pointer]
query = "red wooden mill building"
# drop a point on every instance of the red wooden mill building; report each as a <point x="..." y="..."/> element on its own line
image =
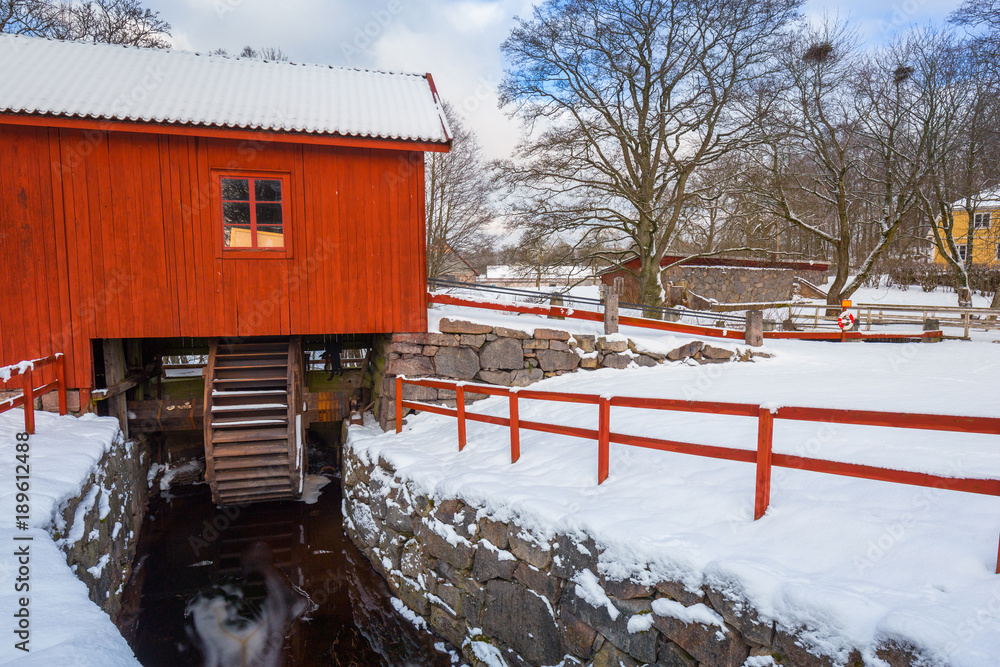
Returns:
<point x="226" y="219"/>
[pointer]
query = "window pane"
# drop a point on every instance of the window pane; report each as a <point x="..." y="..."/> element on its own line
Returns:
<point x="268" y="214"/>
<point x="267" y="190"/>
<point x="236" y="188"/>
<point x="238" y="236"/>
<point x="270" y="236"/>
<point x="234" y="213"/>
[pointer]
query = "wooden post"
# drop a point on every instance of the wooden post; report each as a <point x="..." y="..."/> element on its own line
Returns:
<point x="115" y="370"/>
<point x="603" y="439"/>
<point x="399" y="404"/>
<point x="515" y="430"/>
<point x="460" y="405"/>
<point x="61" y="377"/>
<point x="967" y="320"/>
<point x="765" y="433"/>
<point x="611" y="294"/>
<point x="555" y="301"/>
<point x="754" y="335"/>
<point x="85" y="400"/>
<point x="29" y="402"/>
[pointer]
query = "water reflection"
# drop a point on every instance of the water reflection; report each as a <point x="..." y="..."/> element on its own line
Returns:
<point x="264" y="585"/>
<point x="231" y="629"/>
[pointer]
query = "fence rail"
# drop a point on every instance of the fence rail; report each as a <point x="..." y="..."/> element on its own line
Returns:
<point x="764" y="458"/>
<point x="799" y="314"/>
<point x="886" y="314"/>
<point x="26" y="370"/>
<point x="673" y="327"/>
<point x="571" y="301"/>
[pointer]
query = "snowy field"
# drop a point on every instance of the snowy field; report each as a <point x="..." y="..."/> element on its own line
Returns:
<point x="67" y="629"/>
<point x="852" y="562"/>
<point x="914" y="296"/>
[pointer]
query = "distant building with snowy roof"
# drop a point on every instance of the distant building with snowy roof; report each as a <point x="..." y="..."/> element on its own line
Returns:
<point x="526" y="276"/>
<point x="985" y="229"/>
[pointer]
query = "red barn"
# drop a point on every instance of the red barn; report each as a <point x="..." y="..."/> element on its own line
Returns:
<point x="160" y="202"/>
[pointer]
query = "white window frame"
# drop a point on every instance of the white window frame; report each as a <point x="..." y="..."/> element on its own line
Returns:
<point x="981" y="220"/>
<point x="963" y="250"/>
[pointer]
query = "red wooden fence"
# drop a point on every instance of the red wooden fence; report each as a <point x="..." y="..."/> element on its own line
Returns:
<point x="764" y="457"/>
<point x="29" y="391"/>
<point x="675" y="327"/>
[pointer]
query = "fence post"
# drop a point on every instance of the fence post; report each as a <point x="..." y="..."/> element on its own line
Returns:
<point x="754" y="334"/>
<point x="967" y="319"/>
<point x="515" y="432"/>
<point x="555" y="301"/>
<point x="765" y="432"/>
<point x="399" y="404"/>
<point x="61" y="377"/>
<point x="29" y="402"/>
<point x="460" y="406"/>
<point x="603" y="439"/>
<point x="611" y="294"/>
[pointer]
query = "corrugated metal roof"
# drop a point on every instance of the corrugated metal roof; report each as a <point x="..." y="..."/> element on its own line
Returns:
<point x="102" y="81"/>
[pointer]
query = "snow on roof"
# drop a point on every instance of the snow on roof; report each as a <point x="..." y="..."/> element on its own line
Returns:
<point x="508" y="272"/>
<point x="102" y="81"/>
<point x="985" y="199"/>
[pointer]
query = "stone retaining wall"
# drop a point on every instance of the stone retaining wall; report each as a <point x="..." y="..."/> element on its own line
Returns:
<point x="506" y="357"/>
<point x="99" y="529"/>
<point x="493" y="590"/>
<point x="733" y="284"/>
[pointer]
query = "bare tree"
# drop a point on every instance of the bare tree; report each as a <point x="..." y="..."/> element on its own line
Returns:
<point x="34" y="18"/>
<point x="264" y="53"/>
<point x="722" y="218"/>
<point x="459" y="187"/>
<point x="106" y="21"/>
<point x="273" y="53"/>
<point x="977" y="13"/>
<point x="625" y="100"/>
<point x="958" y="112"/>
<point x="845" y="161"/>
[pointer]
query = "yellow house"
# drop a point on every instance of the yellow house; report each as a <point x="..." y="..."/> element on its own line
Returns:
<point x="986" y="230"/>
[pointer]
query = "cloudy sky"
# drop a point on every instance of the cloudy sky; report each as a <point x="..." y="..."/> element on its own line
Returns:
<point x="455" y="40"/>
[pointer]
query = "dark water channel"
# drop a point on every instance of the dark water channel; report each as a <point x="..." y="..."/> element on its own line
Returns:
<point x="263" y="585"/>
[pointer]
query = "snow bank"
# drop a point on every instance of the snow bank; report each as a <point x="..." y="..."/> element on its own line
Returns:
<point x="841" y="562"/>
<point x="66" y="627"/>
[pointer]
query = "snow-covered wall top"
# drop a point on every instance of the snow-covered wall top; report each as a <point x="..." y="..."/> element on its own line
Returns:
<point x="76" y="79"/>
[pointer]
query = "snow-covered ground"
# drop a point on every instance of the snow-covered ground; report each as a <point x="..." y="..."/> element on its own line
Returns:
<point x="67" y="629"/>
<point x="914" y="296"/>
<point x="854" y="562"/>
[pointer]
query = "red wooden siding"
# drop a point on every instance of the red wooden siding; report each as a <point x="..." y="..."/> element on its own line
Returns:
<point x="116" y="235"/>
